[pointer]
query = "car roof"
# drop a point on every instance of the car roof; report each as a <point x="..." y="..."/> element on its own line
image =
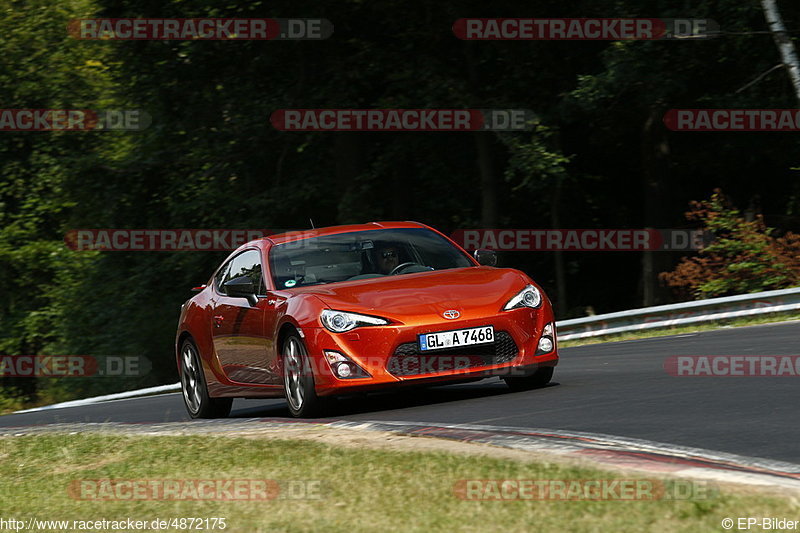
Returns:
<point x="281" y="238"/>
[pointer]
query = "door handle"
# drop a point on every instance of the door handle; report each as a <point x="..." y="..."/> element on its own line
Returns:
<point x="218" y="320"/>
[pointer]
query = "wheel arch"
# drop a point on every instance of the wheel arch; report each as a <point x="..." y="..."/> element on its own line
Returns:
<point x="286" y="329"/>
<point x="182" y="337"/>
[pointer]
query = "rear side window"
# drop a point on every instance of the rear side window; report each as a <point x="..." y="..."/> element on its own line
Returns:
<point x="248" y="264"/>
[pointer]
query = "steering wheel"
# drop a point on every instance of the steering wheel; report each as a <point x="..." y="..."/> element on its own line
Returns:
<point x="400" y="267"/>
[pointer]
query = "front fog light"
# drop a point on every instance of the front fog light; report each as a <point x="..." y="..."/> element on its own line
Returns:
<point x="343" y="370"/>
<point x="343" y="367"/>
<point x="545" y="345"/>
<point x="547" y="342"/>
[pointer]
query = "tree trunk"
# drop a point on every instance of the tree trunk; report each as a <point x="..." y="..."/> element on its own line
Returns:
<point x="488" y="187"/>
<point x="561" y="305"/>
<point x="483" y="147"/>
<point x="655" y="161"/>
<point x="785" y="45"/>
<point x="348" y="165"/>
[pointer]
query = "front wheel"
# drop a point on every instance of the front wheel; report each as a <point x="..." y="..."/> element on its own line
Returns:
<point x="538" y="379"/>
<point x="298" y="380"/>
<point x="195" y="391"/>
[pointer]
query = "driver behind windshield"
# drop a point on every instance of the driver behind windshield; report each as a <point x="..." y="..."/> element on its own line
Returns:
<point x="387" y="258"/>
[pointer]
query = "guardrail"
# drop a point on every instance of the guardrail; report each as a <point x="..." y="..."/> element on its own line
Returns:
<point x="695" y="312"/>
<point x="161" y="389"/>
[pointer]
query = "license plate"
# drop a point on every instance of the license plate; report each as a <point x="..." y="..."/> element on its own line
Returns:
<point x="456" y="338"/>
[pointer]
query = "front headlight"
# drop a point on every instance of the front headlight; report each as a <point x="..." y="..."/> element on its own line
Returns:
<point x="341" y="321"/>
<point x="527" y="297"/>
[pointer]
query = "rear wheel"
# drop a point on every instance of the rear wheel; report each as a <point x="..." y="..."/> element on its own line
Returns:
<point x="298" y="380"/>
<point x="538" y="379"/>
<point x="195" y="391"/>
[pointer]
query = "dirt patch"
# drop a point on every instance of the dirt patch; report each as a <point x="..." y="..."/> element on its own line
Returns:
<point x="384" y="440"/>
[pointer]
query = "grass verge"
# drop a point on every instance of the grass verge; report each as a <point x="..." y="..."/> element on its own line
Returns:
<point x="662" y="332"/>
<point x="361" y="489"/>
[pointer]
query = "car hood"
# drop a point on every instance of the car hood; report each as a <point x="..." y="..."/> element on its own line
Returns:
<point x="473" y="292"/>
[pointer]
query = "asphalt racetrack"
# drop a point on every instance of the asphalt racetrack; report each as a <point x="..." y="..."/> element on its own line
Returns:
<point x="618" y="388"/>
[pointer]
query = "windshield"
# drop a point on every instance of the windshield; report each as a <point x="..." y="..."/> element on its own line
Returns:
<point x="362" y="255"/>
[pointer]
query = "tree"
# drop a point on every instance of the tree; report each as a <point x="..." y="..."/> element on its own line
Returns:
<point x="744" y="256"/>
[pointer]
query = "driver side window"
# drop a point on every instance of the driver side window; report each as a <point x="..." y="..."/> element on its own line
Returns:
<point x="247" y="263"/>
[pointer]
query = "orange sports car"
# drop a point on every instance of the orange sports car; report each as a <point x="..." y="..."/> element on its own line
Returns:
<point x="314" y="314"/>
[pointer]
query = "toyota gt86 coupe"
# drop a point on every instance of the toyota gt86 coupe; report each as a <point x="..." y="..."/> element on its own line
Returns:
<point x="315" y="314"/>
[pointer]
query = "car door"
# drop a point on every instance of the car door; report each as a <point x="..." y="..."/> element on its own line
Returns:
<point x="238" y="328"/>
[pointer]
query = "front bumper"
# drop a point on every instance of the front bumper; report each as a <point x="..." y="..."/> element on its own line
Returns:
<point x="390" y="354"/>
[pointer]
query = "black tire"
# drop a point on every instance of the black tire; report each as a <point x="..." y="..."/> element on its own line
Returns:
<point x="195" y="389"/>
<point x="538" y="379"/>
<point x="298" y="380"/>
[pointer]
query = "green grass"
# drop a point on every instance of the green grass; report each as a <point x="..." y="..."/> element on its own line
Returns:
<point x="362" y="489"/>
<point x="661" y="332"/>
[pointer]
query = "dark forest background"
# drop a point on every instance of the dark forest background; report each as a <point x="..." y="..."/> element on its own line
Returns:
<point x="600" y="156"/>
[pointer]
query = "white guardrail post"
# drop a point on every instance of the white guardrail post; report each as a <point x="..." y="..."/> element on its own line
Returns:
<point x="679" y="314"/>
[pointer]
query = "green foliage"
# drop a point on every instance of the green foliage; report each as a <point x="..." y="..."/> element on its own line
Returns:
<point x="532" y="164"/>
<point x="41" y="67"/>
<point x="744" y="256"/>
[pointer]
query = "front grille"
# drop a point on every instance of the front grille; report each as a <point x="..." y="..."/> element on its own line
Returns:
<point x="408" y="360"/>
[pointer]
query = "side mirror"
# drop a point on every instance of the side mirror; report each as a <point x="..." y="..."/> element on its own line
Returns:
<point x="241" y="287"/>
<point x="485" y="257"/>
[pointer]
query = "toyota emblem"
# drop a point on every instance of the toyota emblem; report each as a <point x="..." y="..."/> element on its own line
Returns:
<point x="451" y="314"/>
